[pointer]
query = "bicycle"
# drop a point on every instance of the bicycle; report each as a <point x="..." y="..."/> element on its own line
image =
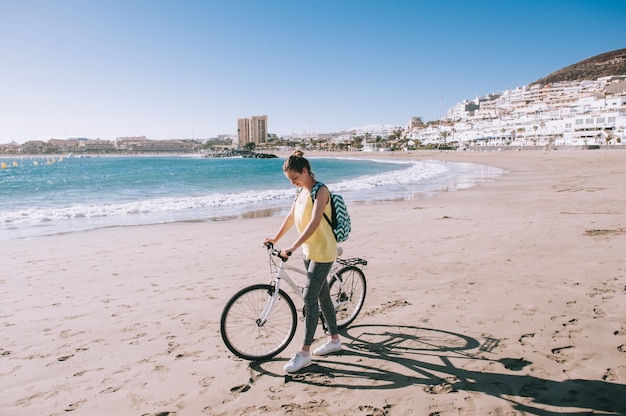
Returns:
<point x="259" y="321"/>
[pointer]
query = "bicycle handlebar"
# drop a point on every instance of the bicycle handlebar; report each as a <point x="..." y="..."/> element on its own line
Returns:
<point x="276" y="252"/>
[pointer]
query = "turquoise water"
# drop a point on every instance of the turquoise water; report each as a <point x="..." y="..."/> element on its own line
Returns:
<point x="42" y="196"/>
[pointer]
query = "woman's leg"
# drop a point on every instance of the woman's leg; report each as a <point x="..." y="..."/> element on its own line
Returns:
<point x="316" y="294"/>
<point x="328" y="309"/>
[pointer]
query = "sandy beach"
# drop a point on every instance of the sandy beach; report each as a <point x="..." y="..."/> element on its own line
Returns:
<point x="503" y="299"/>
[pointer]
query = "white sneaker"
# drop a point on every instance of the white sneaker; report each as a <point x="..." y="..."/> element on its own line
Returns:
<point x="297" y="362"/>
<point x="327" y="348"/>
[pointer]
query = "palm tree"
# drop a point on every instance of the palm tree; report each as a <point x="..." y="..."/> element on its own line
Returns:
<point x="444" y="136"/>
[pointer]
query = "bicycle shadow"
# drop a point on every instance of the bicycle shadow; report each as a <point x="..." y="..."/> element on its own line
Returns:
<point x="415" y="356"/>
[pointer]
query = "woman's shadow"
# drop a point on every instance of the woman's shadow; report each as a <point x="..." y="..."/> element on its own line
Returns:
<point x="397" y="356"/>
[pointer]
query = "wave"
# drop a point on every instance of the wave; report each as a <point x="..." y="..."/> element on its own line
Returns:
<point x="414" y="173"/>
<point x="218" y="203"/>
<point x="410" y="178"/>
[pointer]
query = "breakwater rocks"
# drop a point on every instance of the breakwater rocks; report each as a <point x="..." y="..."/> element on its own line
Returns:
<point x="240" y="153"/>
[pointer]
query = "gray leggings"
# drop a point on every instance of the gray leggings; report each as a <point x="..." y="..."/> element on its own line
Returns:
<point x="317" y="289"/>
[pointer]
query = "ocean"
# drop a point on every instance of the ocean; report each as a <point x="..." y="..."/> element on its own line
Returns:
<point x="40" y="196"/>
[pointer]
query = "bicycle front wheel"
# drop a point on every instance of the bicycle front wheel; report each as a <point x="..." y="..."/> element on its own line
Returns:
<point x="244" y="334"/>
<point x="347" y="290"/>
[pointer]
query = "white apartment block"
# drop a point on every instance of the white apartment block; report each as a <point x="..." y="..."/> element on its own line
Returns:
<point x="565" y="113"/>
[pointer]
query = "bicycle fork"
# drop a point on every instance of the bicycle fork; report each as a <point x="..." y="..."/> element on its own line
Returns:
<point x="262" y="319"/>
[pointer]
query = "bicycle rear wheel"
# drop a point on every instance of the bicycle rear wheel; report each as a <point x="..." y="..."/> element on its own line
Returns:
<point x="242" y="332"/>
<point x="347" y="290"/>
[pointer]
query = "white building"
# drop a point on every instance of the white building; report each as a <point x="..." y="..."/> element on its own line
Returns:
<point x="564" y="113"/>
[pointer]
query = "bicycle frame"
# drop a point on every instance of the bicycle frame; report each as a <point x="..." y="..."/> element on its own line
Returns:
<point x="281" y="274"/>
<point x="247" y="323"/>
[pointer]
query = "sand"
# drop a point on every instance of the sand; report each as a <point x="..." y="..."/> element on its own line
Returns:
<point x="503" y="299"/>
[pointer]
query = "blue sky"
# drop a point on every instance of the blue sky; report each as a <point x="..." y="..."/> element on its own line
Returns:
<point x="182" y="69"/>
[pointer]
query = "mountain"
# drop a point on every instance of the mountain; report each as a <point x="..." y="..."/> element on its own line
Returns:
<point x="606" y="64"/>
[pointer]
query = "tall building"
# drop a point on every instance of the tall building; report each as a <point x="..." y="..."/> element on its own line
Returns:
<point x="252" y="129"/>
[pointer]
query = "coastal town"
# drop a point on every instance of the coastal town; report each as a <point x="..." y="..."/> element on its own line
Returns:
<point x="589" y="113"/>
<point x="571" y="113"/>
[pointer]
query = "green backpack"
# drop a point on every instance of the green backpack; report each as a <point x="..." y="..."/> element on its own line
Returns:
<point x="340" y="222"/>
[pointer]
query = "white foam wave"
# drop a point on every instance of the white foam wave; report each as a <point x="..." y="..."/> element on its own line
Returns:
<point x="211" y="203"/>
<point x="218" y="204"/>
<point x="415" y="172"/>
<point x="214" y="204"/>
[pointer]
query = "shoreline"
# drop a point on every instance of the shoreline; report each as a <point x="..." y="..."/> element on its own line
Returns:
<point x="83" y="216"/>
<point x="490" y="148"/>
<point x="503" y="298"/>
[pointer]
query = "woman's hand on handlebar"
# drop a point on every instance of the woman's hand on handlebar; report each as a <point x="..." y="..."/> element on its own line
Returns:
<point x="283" y="254"/>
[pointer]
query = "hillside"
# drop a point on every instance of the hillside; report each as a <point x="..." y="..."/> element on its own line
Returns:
<point x="609" y="63"/>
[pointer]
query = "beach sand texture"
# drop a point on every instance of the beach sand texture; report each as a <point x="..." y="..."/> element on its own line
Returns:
<point x="503" y="299"/>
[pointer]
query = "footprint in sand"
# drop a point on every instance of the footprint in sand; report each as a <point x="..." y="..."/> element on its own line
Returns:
<point x="135" y="339"/>
<point x="610" y="375"/>
<point x="74" y="406"/>
<point x="160" y="414"/>
<point x="445" y="387"/>
<point x="598" y="313"/>
<point x="607" y="290"/>
<point x="442" y="388"/>
<point x="171" y="346"/>
<point x="388" y="306"/>
<point x="558" y="350"/>
<point x="276" y="389"/>
<point x="206" y="382"/>
<point x="305" y="408"/>
<point x="83" y="372"/>
<point x="110" y="390"/>
<point x="371" y="410"/>
<point x="245" y="387"/>
<point x="522" y="339"/>
<point x="240" y="389"/>
<point x="558" y="356"/>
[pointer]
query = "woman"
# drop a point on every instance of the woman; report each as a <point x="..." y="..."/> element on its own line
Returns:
<point x="320" y="250"/>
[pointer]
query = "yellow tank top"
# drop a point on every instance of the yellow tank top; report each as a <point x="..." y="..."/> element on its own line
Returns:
<point x="322" y="245"/>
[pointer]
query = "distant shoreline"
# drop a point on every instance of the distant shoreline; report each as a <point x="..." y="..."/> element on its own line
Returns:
<point x="286" y="153"/>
